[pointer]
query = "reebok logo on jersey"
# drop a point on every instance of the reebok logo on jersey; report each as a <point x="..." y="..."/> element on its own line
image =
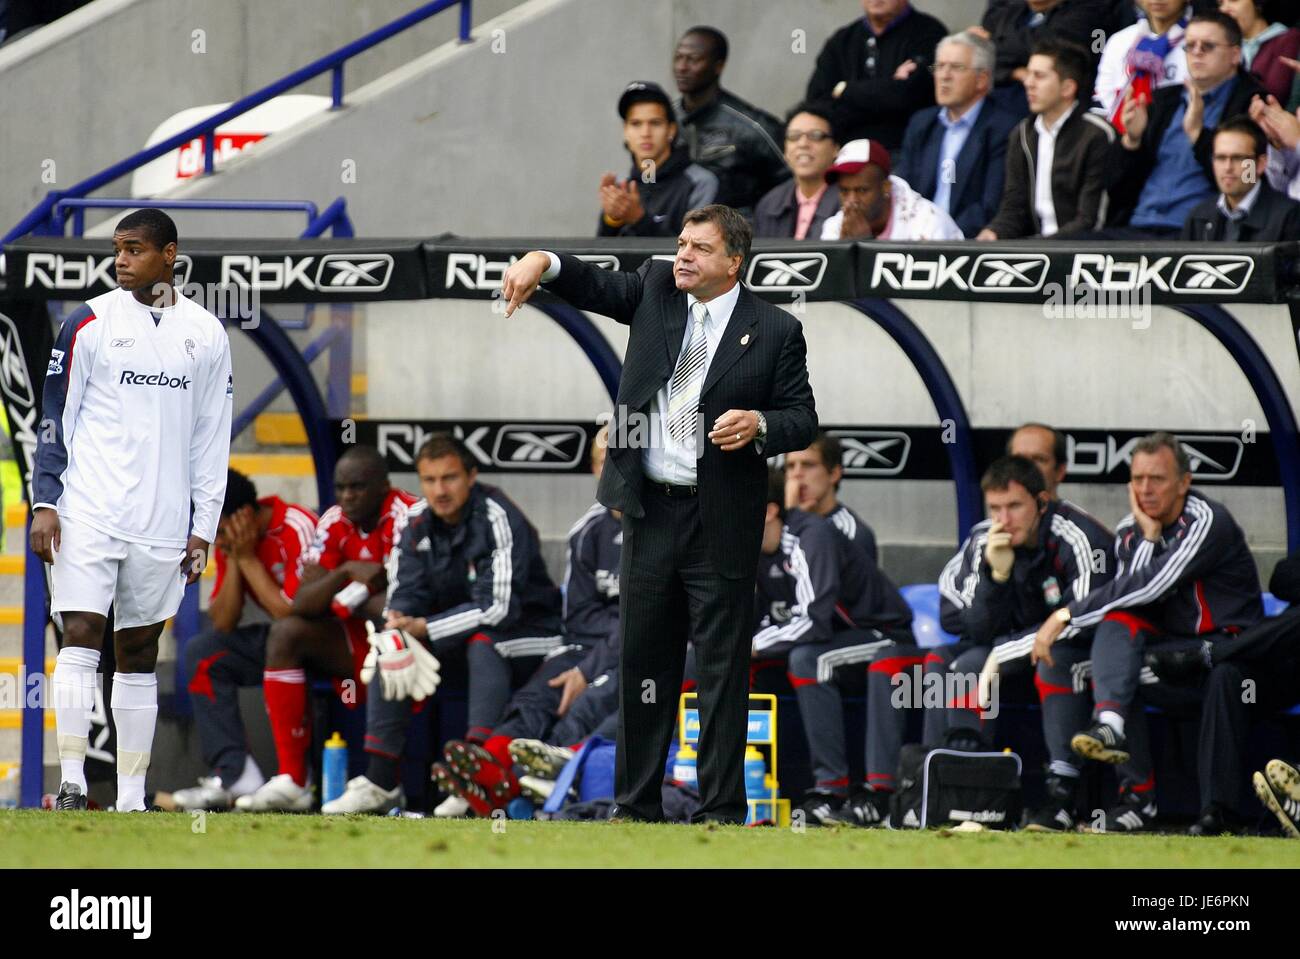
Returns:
<point x="132" y="378"/>
<point x="123" y="343"/>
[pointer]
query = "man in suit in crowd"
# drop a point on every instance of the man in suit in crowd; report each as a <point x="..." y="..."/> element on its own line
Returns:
<point x="955" y="153"/>
<point x="714" y="382"/>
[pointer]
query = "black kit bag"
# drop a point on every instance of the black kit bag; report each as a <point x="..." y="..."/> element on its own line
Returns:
<point x="945" y="786"/>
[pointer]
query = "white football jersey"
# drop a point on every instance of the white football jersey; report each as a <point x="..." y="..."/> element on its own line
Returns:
<point x="136" y="421"/>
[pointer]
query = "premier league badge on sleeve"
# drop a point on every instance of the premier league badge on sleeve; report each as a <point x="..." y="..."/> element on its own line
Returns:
<point x="56" y="363"/>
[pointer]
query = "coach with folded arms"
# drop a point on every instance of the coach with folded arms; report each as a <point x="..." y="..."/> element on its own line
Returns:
<point x="714" y="381"/>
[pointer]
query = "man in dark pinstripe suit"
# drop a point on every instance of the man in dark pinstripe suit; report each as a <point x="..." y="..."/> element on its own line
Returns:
<point x="714" y="381"/>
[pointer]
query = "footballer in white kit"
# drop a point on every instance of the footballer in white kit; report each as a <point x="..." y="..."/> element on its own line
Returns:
<point x="129" y="478"/>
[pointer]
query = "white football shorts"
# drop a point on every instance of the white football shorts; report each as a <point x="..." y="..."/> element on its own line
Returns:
<point x="93" y="570"/>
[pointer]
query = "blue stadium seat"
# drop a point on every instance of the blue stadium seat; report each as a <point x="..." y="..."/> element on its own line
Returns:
<point x="924" y="600"/>
<point x="1274" y="606"/>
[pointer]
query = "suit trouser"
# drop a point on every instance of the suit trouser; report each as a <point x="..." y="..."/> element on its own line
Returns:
<point x="217" y="664"/>
<point x="670" y="590"/>
<point x="1227" y="713"/>
<point x="821" y="673"/>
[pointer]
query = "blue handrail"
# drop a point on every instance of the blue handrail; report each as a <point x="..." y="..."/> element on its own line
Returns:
<point x="39" y="220"/>
<point x="80" y="206"/>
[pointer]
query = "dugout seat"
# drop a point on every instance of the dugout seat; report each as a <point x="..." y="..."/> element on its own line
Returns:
<point x="924" y="600"/>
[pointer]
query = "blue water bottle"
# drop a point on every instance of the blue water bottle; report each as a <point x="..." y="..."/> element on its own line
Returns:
<point x="335" y="763"/>
<point x="755" y="774"/>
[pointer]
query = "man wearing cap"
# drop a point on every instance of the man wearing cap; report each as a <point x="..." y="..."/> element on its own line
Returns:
<point x="874" y="204"/>
<point x="664" y="184"/>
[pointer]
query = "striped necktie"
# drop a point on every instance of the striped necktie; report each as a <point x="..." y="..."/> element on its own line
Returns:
<point x="688" y="379"/>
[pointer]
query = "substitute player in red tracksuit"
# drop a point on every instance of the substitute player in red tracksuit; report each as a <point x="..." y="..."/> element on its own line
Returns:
<point x="343" y="582"/>
<point x="1185" y="576"/>
<point x="260" y="547"/>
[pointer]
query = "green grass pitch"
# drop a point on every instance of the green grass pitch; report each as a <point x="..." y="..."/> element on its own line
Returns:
<point x="32" y="838"/>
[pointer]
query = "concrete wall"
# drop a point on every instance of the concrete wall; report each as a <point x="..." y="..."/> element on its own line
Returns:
<point x="510" y="135"/>
<point x="87" y="90"/>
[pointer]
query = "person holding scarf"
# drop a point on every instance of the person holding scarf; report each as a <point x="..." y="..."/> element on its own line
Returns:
<point x="1142" y="58"/>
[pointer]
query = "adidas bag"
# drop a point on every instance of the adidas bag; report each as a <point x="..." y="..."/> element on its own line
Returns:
<point x="941" y="787"/>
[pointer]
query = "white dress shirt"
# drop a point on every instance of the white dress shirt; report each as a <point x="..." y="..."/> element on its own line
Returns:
<point x="665" y="460"/>
<point x="1043" y="202"/>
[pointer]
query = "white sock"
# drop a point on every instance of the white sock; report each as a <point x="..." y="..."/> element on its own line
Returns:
<point x="249" y="780"/>
<point x="1112" y="719"/>
<point x="135" y="713"/>
<point x="73" y="689"/>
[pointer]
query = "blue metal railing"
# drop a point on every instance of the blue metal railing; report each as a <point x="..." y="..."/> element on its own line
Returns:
<point x="79" y="205"/>
<point x="41" y="219"/>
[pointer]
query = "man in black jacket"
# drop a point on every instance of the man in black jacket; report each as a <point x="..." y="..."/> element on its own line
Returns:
<point x="1056" y="159"/>
<point x="736" y="141"/>
<point x="1247" y="209"/>
<point x="955" y="153"/>
<point x="1015" y="27"/>
<point x="1161" y="167"/>
<point x="875" y="71"/>
<point x="703" y="354"/>
<point x="664" y="183"/>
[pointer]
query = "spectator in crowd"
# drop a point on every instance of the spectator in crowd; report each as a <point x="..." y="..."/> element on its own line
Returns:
<point x="1016" y="27"/>
<point x="1142" y="58"/>
<point x="1247" y="209"/>
<point x="1056" y="161"/>
<point x="798" y="210"/>
<point x="815" y="475"/>
<point x="573" y="693"/>
<point x="955" y="153"/>
<point x="827" y="609"/>
<point x="465" y="577"/>
<point x="1282" y="129"/>
<point x="1264" y="44"/>
<point x="874" y="70"/>
<point x="1045" y="447"/>
<point x="1161" y="167"/>
<point x="874" y="204"/>
<point x="663" y="184"/>
<point x="1016" y="570"/>
<point x="259" y="549"/>
<point x="1186" y="576"/>
<point x="736" y="141"/>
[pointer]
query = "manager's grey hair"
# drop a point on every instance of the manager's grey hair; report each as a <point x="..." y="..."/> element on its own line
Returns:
<point x="983" y="53"/>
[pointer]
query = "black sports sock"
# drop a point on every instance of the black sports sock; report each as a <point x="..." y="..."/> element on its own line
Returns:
<point x="382" y="772"/>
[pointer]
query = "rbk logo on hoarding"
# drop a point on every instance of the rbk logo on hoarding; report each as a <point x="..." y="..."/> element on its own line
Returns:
<point x="873" y="452"/>
<point x="1213" y="458"/>
<point x="786" y="272"/>
<point x="369" y="272"/>
<point x="54" y="271"/>
<point x="540" y="447"/>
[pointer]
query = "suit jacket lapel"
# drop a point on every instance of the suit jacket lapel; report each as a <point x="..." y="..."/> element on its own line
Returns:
<point x="674" y="320"/>
<point x="740" y="327"/>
